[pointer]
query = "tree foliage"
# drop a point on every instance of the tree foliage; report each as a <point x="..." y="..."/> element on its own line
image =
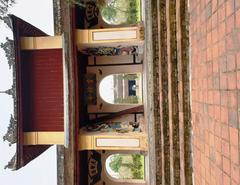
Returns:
<point x="109" y="13"/>
<point x="116" y="11"/>
<point x="136" y="165"/>
<point x="116" y="162"/>
<point x="120" y="11"/>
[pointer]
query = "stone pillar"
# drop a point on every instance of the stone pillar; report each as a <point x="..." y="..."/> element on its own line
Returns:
<point x="169" y="70"/>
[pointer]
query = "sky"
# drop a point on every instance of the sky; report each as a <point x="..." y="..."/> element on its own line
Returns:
<point x="107" y="83"/>
<point x="41" y="171"/>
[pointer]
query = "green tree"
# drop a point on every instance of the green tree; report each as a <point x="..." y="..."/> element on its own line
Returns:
<point x="109" y="13"/>
<point x="121" y="11"/>
<point x="136" y="165"/>
<point x="116" y="162"/>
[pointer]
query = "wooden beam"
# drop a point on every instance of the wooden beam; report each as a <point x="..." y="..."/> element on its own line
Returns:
<point x="91" y="140"/>
<point x="109" y="35"/>
<point x="113" y="141"/>
<point x="35" y="43"/>
<point x="117" y="114"/>
<point x="43" y="138"/>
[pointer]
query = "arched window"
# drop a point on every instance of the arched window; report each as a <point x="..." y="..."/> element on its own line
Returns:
<point x="116" y="12"/>
<point x="121" y="89"/>
<point x="125" y="166"/>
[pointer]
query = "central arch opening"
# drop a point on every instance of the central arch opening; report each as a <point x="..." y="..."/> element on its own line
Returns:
<point x="121" y="89"/>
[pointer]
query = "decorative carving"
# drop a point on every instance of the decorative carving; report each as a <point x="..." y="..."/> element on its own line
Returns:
<point x="58" y="30"/>
<point x="8" y="47"/>
<point x="12" y="164"/>
<point x="7" y="20"/>
<point x="91" y="14"/>
<point x="91" y="89"/>
<point x="9" y="92"/>
<point x="111" y="51"/>
<point x="94" y="167"/>
<point x="112" y="126"/>
<point x="11" y="135"/>
<point x="4" y="7"/>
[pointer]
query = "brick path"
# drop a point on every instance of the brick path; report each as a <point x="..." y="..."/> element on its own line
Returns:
<point x="215" y="53"/>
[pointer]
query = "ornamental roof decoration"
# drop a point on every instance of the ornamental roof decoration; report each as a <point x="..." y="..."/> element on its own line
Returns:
<point x="8" y="22"/>
<point x="8" y="47"/>
<point x="12" y="164"/>
<point x="9" y="92"/>
<point x="57" y="17"/>
<point x="11" y="135"/>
